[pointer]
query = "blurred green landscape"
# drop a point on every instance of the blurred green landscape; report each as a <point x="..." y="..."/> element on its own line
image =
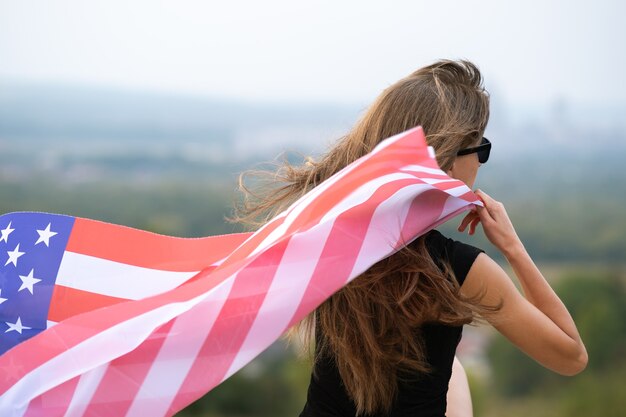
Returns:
<point x="124" y="160"/>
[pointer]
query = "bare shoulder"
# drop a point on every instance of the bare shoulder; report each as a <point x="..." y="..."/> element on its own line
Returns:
<point x="487" y="277"/>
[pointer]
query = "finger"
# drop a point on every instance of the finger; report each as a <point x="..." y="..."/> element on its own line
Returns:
<point x="466" y="220"/>
<point x="473" y="225"/>
<point x="468" y="215"/>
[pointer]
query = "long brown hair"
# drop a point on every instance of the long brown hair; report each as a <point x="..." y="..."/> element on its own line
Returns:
<point x="371" y="327"/>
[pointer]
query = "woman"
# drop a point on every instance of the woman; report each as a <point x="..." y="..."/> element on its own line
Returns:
<point x="385" y="344"/>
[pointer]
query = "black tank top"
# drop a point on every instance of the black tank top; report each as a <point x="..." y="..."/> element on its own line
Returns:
<point x="420" y="395"/>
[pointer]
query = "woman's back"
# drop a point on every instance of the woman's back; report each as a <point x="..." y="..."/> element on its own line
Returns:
<point x="418" y="394"/>
<point x="375" y="326"/>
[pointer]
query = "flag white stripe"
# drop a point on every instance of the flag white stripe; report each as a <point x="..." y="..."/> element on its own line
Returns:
<point x="171" y="367"/>
<point x="420" y="169"/>
<point x="387" y="142"/>
<point x="458" y="191"/>
<point x="297" y="208"/>
<point x="300" y="261"/>
<point x="177" y="355"/>
<point x="16" y="410"/>
<point x="384" y="230"/>
<point x="115" y="279"/>
<point x="357" y="196"/>
<point x="86" y="388"/>
<point x="452" y="204"/>
<point x="281" y="298"/>
<point x="89" y="354"/>
<point x="285" y="293"/>
<point x="363" y="193"/>
<point x="294" y="211"/>
<point x="434" y="181"/>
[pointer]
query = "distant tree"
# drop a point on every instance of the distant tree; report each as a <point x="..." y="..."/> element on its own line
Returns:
<point x="597" y="302"/>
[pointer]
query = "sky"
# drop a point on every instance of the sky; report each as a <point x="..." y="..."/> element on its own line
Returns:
<point x="530" y="51"/>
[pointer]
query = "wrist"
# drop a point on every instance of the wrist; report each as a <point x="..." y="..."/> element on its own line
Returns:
<point x="513" y="250"/>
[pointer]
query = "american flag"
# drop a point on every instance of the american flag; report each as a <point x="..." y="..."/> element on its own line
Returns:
<point x="104" y="320"/>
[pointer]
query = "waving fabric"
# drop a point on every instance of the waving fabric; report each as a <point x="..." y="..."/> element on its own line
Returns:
<point x="98" y="319"/>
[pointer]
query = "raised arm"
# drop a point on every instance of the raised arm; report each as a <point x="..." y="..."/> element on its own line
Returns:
<point x="539" y="323"/>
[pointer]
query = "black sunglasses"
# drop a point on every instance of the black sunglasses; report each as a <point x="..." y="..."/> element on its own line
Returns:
<point x="483" y="150"/>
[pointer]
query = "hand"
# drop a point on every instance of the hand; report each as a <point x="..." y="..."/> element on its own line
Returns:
<point x="495" y="221"/>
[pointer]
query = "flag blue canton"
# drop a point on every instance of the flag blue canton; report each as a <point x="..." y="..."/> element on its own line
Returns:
<point x="31" y="249"/>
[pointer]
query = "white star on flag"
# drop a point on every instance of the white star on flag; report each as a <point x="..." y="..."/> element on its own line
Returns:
<point x="2" y="300"/>
<point x="28" y="281"/>
<point x="17" y="326"/>
<point x="45" y="235"/>
<point x="5" y="233"/>
<point x="14" y="255"/>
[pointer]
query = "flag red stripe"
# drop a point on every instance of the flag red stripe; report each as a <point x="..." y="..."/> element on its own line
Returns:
<point x="448" y="185"/>
<point x="157" y="251"/>
<point x="252" y="243"/>
<point x="238" y="329"/>
<point x="254" y="275"/>
<point x="396" y="155"/>
<point x="427" y="206"/>
<point x="181" y="348"/>
<point x="346" y="185"/>
<point x="125" y="375"/>
<point x="346" y="238"/>
<point x="231" y="326"/>
<point x="468" y="196"/>
<point x="54" y="402"/>
<point x="91" y="325"/>
<point x="46" y="345"/>
<point x="67" y="302"/>
<point x="67" y="334"/>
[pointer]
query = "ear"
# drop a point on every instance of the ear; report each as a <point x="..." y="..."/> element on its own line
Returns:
<point x="451" y="170"/>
